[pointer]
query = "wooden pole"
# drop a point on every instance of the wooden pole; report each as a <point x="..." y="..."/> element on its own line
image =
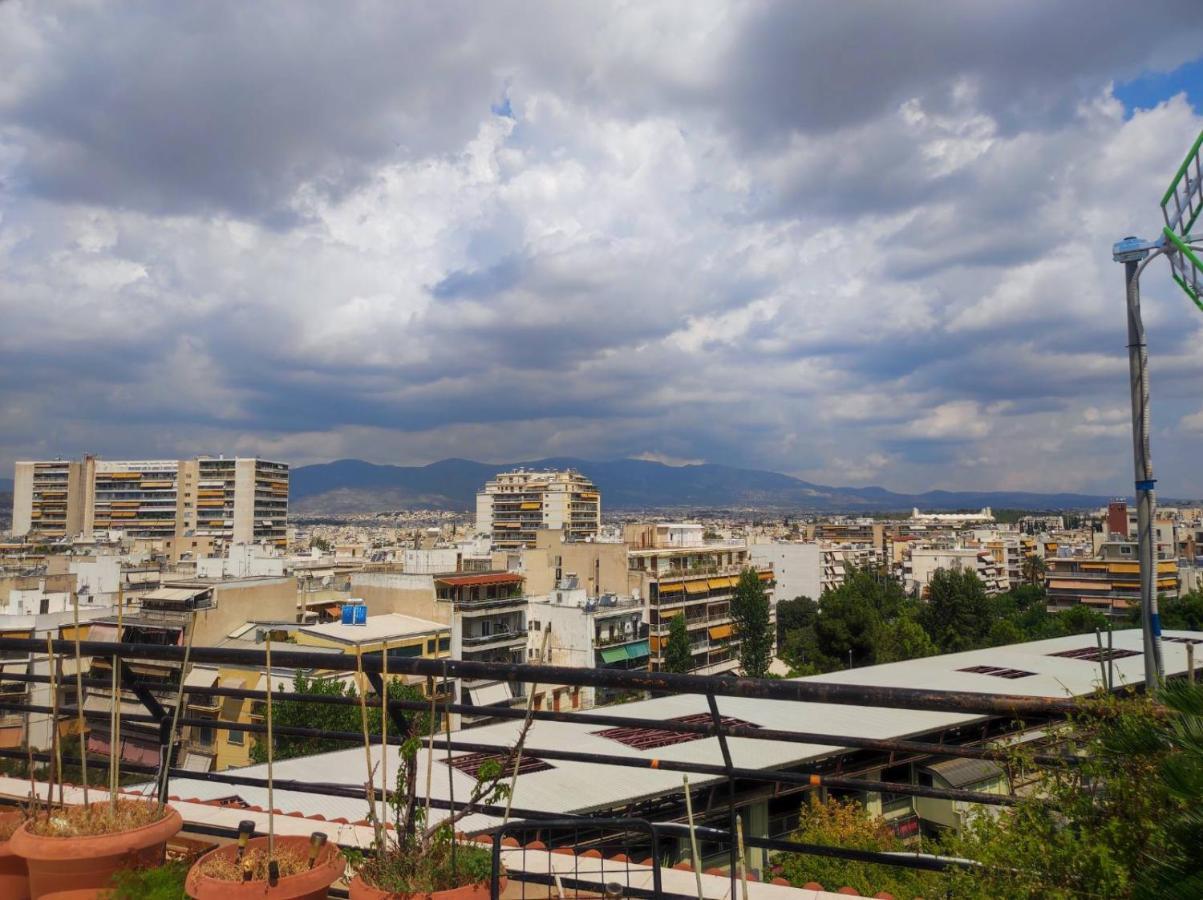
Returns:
<point x="115" y="739"/>
<point x="79" y="703"/>
<point x="530" y="702"/>
<point x="384" y="725"/>
<point x="693" y="837"/>
<point x="271" y="800"/>
<point x="175" y="716"/>
<point x="57" y="772"/>
<point x="367" y="744"/>
<point x="743" y="865"/>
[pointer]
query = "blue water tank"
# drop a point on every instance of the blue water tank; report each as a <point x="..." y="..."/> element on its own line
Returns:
<point x="361" y="613"/>
<point x="348" y="614"/>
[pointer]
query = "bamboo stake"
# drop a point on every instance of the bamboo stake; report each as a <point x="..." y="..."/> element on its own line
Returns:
<point x="693" y="837"/>
<point x="113" y="717"/>
<point x="434" y="726"/>
<point x="271" y="803"/>
<point x="57" y="773"/>
<point x="175" y="716"/>
<point x="743" y="865"/>
<point x="367" y="746"/>
<point x="79" y="703"/>
<point x="450" y="768"/>
<point x="115" y="740"/>
<point x="384" y="726"/>
<point x="530" y="705"/>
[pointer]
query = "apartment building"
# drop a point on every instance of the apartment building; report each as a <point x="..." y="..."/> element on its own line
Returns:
<point x="799" y="567"/>
<point x="925" y="561"/>
<point x="606" y="632"/>
<point x="210" y="500"/>
<point x="515" y="505"/>
<point x="1109" y="582"/>
<point x="678" y="573"/>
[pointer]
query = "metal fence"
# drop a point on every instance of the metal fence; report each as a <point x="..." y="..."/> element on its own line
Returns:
<point x="631" y="836"/>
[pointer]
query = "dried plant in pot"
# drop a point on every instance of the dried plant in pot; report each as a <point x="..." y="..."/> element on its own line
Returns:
<point x="296" y="868"/>
<point x="81" y="848"/>
<point x="418" y="859"/>
<point x="14" y="875"/>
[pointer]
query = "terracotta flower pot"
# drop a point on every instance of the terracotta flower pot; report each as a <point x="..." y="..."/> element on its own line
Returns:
<point x="88" y="863"/>
<point x="14" y="876"/>
<point x="361" y="890"/>
<point x="312" y="884"/>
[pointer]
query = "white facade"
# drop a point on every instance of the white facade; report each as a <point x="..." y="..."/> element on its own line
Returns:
<point x="241" y="561"/>
<point x="431" y="562"/>
<point x="925" y="561"/>
<point x="797" y="568"/>
<point x="515" y="505"/>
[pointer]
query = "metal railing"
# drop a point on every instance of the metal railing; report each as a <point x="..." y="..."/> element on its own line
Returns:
<point x="842" y="773"/>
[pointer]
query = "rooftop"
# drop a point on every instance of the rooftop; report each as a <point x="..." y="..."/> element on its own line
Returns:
<point x="384" y="627"/>
<point x="568" y="786"/>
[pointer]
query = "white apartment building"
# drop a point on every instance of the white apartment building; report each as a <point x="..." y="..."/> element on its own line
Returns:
<point x="798" y="567"/>
<point x="584" y="632"/>
<point x="924" y="561"/>
<point x="514" y="505"/>
<point x="237" y="500"/>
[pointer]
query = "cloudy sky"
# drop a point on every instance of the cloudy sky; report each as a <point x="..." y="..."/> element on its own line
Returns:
<point x="856" y="242"/>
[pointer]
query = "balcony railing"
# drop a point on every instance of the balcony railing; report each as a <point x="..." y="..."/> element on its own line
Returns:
<point x="717" y="774"/>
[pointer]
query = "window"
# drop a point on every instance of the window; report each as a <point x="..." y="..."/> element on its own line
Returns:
<point x="236" y="737"/>
<point x="998" y="671"/>
<point x="470" y="763"/>
<point x="1094" y="654"/>
<point x="444" y="644"/>
<point x="654" y="738"/>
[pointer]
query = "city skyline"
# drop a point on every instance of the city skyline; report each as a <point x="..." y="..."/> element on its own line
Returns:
<point x="307" y="235"/>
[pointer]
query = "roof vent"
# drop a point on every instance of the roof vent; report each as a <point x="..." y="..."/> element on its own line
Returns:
<point x="1094" y="654"/>
<point x="654" y="738"/>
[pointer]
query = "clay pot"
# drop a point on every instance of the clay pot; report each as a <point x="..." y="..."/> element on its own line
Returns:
<point x="312" y="884"/>
<point x="88" y="863"/>
<point x="14" y="876"/>
<point x="361" y="890"/>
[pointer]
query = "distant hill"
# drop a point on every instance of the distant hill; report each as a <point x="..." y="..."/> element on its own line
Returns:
<point x="352" y="485"/>
<point x="6" y="485"/>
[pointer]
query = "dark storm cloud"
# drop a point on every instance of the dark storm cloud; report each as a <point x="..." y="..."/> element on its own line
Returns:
<point x="815" y="237"/>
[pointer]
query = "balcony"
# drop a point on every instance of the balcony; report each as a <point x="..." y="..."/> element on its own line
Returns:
<point x="487" y="641"/>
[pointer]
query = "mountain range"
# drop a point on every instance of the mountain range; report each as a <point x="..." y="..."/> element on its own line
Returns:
<point x="355" y="486"/>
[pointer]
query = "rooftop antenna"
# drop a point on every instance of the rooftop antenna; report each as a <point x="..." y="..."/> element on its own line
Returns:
<point x="1180" y="206"/>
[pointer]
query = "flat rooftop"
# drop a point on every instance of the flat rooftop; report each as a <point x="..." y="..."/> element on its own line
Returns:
<point x="384" y="627"/>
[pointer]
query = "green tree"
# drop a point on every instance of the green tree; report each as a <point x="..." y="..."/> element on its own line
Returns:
<point x="328" y="717"/>
<point x="957" y="612"/>
<point x="1184" y="613"/>
<point x="1086" y="830"/>
<point x="904" y="639"/>
<point x="677" y="657"/>
<point x="792" y="615"/>
<point x="1033" y="569"/>
<point x="845" y="823"/>
<point x="752" y="618"/>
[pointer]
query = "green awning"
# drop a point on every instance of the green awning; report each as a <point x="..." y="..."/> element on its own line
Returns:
<point x="638" y="650"/>
<point x="613" y="654"/>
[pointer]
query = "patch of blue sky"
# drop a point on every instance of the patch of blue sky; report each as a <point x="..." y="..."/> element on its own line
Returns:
<point x="1146" y="91"/>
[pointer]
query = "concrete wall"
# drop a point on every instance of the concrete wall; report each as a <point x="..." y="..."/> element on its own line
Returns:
<point x="238" y="602"/>
<point x="400" y="592"/>
<point x="797" y="567"/>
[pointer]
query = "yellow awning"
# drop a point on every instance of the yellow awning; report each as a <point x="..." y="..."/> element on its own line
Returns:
<point x="529" y="506"/>
<point x="719" y="632"/>
<point x="671" y="588"/>
<point x="697" y="587"/>
<point x="718" y="584"/>
<point x="766" y="576"/>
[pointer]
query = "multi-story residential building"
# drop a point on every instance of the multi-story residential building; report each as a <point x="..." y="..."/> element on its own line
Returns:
<point x="798" y="567"/>
<point x="606" y="632"/>
<point x="678" y="573"/>
<point x="925" y="561"/>
<point x="515" y="505"/>
<point x="1109" y="582"/>
<point x="839" y="560"/>
<point x="243" y="500"/>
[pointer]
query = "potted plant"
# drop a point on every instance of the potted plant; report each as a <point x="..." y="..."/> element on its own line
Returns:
<point x="428" y="860"/>
<point x="292" y="868"/>
<point x="14" y="876"/>
<point x="81" y="848"/>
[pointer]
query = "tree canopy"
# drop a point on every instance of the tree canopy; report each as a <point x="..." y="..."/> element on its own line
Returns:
<point x="752" y="618"/>
<point x="677" y="657"/>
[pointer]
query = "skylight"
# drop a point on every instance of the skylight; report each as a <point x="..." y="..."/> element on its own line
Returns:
<point x="654" y="738"/>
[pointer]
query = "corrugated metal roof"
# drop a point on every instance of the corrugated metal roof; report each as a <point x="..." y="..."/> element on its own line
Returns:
<point x="960" y="773"/>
